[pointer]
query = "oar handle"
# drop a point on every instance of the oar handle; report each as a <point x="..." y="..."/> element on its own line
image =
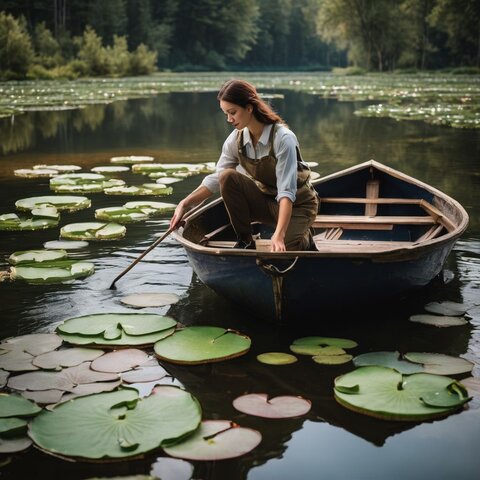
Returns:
<point x="154" y="244"/>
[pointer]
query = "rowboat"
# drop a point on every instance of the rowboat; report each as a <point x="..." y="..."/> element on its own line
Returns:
<point x="379" y="233"/>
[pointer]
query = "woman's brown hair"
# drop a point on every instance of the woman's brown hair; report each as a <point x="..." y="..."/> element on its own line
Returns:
<point x="243" y="93"/>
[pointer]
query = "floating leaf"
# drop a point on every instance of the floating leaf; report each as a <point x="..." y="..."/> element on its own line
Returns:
<point x="473" y="386"/>
<point x="132" y="159"/>
<point x="446" y="308"/>
<point x="38" y="173"/>
<point x="107" y="169"/>
<point x="16" y="406"/>
<point x="68" y="357"/>
<point x="316" y="350"/>
<point x="383" y="393"/>
<point x="17" y="361"/>
<point x="216" y="440"/>
<point x="167" y="167"/>
<point x="34" y="343"/>
<point x="93" y="231"/>
<point x="65" y="379"/>
<point x="44" y="397"/>
<point x="332" y="359"/>
<point x="120" y="215"/>
<point x="145" y="189"/>
<point x="52" y="272"/>
<point x="65" y="244"/>
<point x="144" y="374"/>
<point x="452" y="396"/>
<point x="119" y="360"/>
<point x="260" y="405"/>
<point x="12" y="222"/>
<point x="3" y="378"/>
<point x="438" y="321"/>
<point x="387" y="359"/>
<point x="202" y="344"/>
<point x="16" y="444"/>
<point x="171" y="469"/>
<point x="141" y="300"/>
<point x="152" y="207"/>
<point x="136" y="328"/>
<point x="60" y="202"/>
<point x="168" y="180"/>
<point x="59" y="168"/>
<point x="325" y="342"/>
<point x="12" y="426"/>
<point x="35" y="256"/>
<point x="276" y="358"/>
<point x="96" y="427"/>
<point x="439" y="364"/>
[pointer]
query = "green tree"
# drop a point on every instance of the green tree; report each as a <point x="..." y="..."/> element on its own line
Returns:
<point x="460" y="20"/>
<point x="16" y="52"/>
<point x="47" y="49"/>
<point x="93" y="54"/>
<point x="142" y="61"/>
<point x="108" y="18"/>
<point x="120" y="56"/>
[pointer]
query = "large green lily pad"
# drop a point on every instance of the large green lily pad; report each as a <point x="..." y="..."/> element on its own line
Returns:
<point x="16" y="406"/>
<point x="116" y="329"/>
<point x="216" y="440"/>
<point x="384" y="393"/>
<point x="202" y="344"/>
<point x="13" y="222"/>
<point x="52" y="272"/>
<point x="36" y="256"/>
<point x="60" y="202"/>
<point x="145" y="189"/>
<point x="315" y="345"/>
<point x="120" y="215"/>
<point x="116" y="424"/>
<point x="93" y="231"/>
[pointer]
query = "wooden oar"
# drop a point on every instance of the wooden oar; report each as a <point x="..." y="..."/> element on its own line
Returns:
<point x="154" y="244"/>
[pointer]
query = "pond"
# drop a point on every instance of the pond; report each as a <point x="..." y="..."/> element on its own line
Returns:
<point x="330" y="441"/>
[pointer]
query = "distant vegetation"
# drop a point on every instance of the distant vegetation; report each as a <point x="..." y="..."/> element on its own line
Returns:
<point x="77" y="38"/>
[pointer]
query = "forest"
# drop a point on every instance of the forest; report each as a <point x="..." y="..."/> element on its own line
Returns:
<point x="78" y="38"/>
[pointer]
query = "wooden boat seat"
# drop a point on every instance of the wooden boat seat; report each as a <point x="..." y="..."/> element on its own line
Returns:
<point x="363" y="222"/>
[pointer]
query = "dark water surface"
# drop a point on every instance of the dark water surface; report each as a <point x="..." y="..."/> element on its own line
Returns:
<point x="330" y="442"/>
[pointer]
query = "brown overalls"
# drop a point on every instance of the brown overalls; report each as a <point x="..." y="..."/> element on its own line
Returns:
<point x="251" y="197"/>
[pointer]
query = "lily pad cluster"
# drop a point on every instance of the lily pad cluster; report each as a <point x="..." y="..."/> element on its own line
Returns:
<point x="41" y="219"/>
<point x="14" y="414"/>
<point x="83" y="182"/>
<point x="42" y="171"/>
<point x="324" y="350"/>
<point x="442" y="314"/>
<point x="116" y="329"/>
<point x="47" y="266"/>
<point x="92" y="231"/>
<point x="133" y="211"/>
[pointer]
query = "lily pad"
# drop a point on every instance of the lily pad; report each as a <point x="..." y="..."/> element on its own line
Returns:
<point x="59" y="168"/>
<point x="216" y="440"/>
<point x="3" y="377"/>
<point x="111" y="329"/>
<point x="13" y="445"/>
<point x="65" y="244"/>
<point x="439" y="321"/>
<point x="167" y="167"/>
<point x="12" y="426"/>
<point x="202" y="344"/>
<point x="383" y="393"/>
<point x="152" y="207"/>
<point x="35" y="173"/>
<point x="17" y="361"/>
<point x="52" y="272"/>
<point x="171" y="469"/>
<point x="65" y="379"/>
<point x="33" y="343"/>
<point x="332" y="359"/>
<point x="144" y="374"/>
<point x="141" y="300"/>
<point x="107" y="169"/>
<point x="68" y="357"/>
<point x="93" y="231"/>
<point x="305" y="342"/>
<point x="387" y="359"/>
<point x="116" y="424"/>
<point x="260" y="405"/>
<point x="12" y="222"/>
<point x="17" y="406"/>
<point x="60" y="202"/>
<point x="446" y="308"/>
<point x="120" y="360"/>
<point x="168" y="180"/>
<point x="120" y="215"/>
<point x="145" y="189"/>
<point x="316" y="350"/>
<point x="131" y="159"/>
<point x="439" y="364"/>
<point x="276" y="358"/>
<point x="36" y="256"/>
<point x="77" y="179"/>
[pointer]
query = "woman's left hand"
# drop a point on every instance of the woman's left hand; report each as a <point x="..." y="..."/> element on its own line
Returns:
<point x="278" y="243"/>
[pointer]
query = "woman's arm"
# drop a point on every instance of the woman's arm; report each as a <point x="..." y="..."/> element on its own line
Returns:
<point x="284" y="214"/>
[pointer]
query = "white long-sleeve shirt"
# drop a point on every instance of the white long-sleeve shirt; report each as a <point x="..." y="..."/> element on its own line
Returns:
<point x="285" y="146"/>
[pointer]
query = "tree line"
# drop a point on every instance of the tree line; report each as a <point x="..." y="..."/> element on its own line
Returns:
<point x="42" y="38"/>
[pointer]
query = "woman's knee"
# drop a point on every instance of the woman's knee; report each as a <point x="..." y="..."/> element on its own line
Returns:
<point x="226" y="176"/>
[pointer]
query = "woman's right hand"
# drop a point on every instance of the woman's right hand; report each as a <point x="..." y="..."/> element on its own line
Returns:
<point x="180" y="211"/>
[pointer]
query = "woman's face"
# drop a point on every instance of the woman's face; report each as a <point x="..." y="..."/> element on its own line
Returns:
<point x="238" y="116"/>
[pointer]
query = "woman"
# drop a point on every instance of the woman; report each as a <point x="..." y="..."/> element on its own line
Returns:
<point x="260" y="174"/>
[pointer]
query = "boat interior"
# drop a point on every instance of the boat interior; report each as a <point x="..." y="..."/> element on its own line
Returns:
<point x="368" y="211"/>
